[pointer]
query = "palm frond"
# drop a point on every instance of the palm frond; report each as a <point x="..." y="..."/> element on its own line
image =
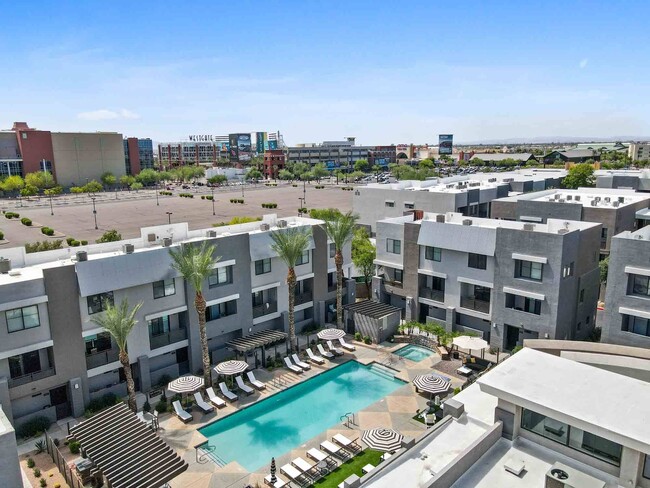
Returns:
<point x="290" y="243"/>
<point x="194" y="263"/>
<point x="340" y="230"/>
<point x="118" y="321"/>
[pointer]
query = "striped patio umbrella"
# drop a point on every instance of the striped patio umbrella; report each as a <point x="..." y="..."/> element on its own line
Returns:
<point x="232" y="367"/>
<point x="185" y="384"/>
<point x="330" y="334"/>
<point x="274" y="479"/>
<point x="431" y="383"/>
<point x="387" y="440"/>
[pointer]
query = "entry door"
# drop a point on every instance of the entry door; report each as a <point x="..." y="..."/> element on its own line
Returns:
<point x="512" y="337"/>
<point x="59" y="399"/>
<point x="182" y="360"/>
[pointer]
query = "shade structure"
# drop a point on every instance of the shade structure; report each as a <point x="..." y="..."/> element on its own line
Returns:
<point x="330" y="334"/>
<point x="185" y="384"/>
<point x="470" y="342"/>
<point x="388" y="440"/>
<point x="431" y="383"/>
<point x="232" y="367"/>
<point x="274" y="478"/>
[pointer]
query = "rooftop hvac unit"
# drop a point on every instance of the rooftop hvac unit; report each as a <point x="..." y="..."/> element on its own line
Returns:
<point x="529" y="226"/>
<point x="167" y="241"/>
<point x="265" y="227"/>
<point x="508" y="180"/>
<point x="621" y="199"/>
<point x="440" y="218"/>
<point x="492" y="180"/>
<point x="151" y="237"/>
<point x="561" y="200"/>
<point x="577" y="198"/>
<point x="5" y="265"/>
<point x="607" y="199"/>
<point x="594" y="203"/>
<point x="282" y="223"/>
<point x="563" y="231"/>
<point x="615" y="204"/>
<point x="128" y="248"/>
<point x="598" y="199"/>
<point x="82" y="256"/>
<point x="569" y="198"/>
<point x="211" y="233"/>
<point x="467" y="221"/>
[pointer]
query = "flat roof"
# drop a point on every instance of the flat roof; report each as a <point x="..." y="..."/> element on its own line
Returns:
<point x="372" y="309"/>
<point x="592" y="399"/>
<point x="587" y="197"/>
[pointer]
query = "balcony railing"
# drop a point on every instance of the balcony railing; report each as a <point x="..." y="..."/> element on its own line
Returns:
<point x="332" y="287"/>
<point x="101" y="358"/>
<point x="431" y="294"/>
<point x="28" y="378"/>
<point x="260" y="310"/>
<point x="472" y="303"/>
<point x="175" y="335"/>
<point x="304" y="297"/>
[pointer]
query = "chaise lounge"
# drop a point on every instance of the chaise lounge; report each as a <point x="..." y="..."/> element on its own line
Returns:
<point x="255" y="382"/>
<point x="292" y="366"/>
<point x="320" y="456"/>
<point x="183" y="415"/>
<point x="243" y="387"/>
<point x="310" y="469"/>
<point x="202" y="404"/>
<point x="299" y="477"/>
<point x="346" y="345"/>
<point x="214" y="399"/>
<point x="334" y="450"/>
<point x="344" y="442"/>
<point x="323" y="352"/>
<point x="313" y="358"/>
<point x="227" y="393"/>
<point x="336" y="350"/>
<point x="300" y="363"/>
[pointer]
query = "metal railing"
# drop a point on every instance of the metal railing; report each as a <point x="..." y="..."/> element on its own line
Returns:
<point x="102" y="357"/>
<point x="472" y="303"/>
<point x="28" y="378"/>
<point x="431" y="294"/>
<point x="305" y="297"/>
<point x="70" y="476"/>
<point x="260" y="310"/>
<point x="175" y="335"/>
<point x="349" y="419"/>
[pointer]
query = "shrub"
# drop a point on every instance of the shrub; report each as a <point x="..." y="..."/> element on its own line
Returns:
<point x="2" y="235"/>
<point x="186" y="195"/>
<point x="236" y="200"/>
<point x="319" y="187"/>
<point x="74" y="447"/>
<point x="357" y="336"/>
<point x="269" y="205"/>
<point x="294" y="185"/>
<point x="30" y="463"/>
<point x="48" y="231"/>
<point x="57" y="485"/>
<point x="75" y="243"/>
<point x="109" y="399"/>
<point x="303" y="210"/>
<point x="164" y="380"/>
<point x="57" y="442"/>
<point x="69" y="240"/>
<point x="43" y="482"/>
<point x="147" y="406"/>
<point x="43" y="246"/>
<point x="367" y="340"/>
<point x="347" y="188"/>
<point x="109" y="236"/>
<point x="37" y="472"/>
<point x="457" y="390"/>
<point x="32" y="427"/>
<point x="11" y="215"/>
<point x="26" y="221"/>
<point x="40" y="447"/>
<point x="238" y="220"/>
<point x="84" y="243"/>
<point x="161" y="406"/>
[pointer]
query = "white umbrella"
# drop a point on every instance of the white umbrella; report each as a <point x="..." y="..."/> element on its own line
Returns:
<point x="388" y="440"/>
<point x="330" y="334"/>
<point x="185" y="384"/>
<point x="470" y="342"/>
<point x="232" y="367"/>
<point x="432" y="383"/>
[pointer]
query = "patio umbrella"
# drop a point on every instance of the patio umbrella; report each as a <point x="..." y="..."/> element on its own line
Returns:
<point x="330" y="334"/>
<point x="432" y="383"/>
<point x="273" y="479"/>
<point x="470" y="342"/>
<point x="185" y="384"/>
<point x="388" y="440"/>
<point x="232" y="367"/>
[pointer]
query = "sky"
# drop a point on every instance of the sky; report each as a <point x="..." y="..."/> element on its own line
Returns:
<point x="385" y="72"/>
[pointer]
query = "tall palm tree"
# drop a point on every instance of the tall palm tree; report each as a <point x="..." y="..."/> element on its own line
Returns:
<point x="195" y="265"/>
<point x="119" y="322"/>
<point x="290" y="244"/>
<point x="340" y="230"/>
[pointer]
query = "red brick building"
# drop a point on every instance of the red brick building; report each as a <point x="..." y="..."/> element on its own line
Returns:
<point x="274" y="161"/>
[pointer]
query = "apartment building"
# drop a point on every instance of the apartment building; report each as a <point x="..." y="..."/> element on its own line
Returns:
<point x="638" y="150"/>
<point x="615" y="209"/>
<point x="53" y="357"/>
<point x="138" y="155"/>
<point x="504" y="281"/>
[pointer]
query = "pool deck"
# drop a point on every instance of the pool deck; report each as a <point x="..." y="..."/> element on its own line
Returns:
<point x="395" y="411"/>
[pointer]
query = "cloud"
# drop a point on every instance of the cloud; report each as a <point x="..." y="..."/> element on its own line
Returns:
<point x="583" y="63"/>
<point x="104" y="114"/>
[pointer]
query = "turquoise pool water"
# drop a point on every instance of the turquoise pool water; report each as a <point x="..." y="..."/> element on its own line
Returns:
<point x="414" y="353"/>
<point x="278" y="424"/>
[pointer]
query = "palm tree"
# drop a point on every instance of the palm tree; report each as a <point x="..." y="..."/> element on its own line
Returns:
<point x="340" y="231"/>
<point x="290" y="244"/>
<point x="119" y="322"/>
<point x="195" y="265"/>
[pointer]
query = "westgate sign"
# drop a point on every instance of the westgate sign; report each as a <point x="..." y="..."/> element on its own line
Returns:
<point x="201" y="138"/>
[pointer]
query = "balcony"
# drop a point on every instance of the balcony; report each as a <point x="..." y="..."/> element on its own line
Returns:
<point x="261" y="310"/>
<point x="472" y="303"/>
<point x="332" y="287"/>
<point x="28" y="378"/>
<point x="161" y="340"/>
<point x="101" y="358"/>
<point x="304" y="297"/>
<point x="431" y="294"/>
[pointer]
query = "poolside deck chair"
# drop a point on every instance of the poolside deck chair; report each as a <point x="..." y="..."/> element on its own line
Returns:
<point x="184" y="416"/>
<point x="243" y="387"/>
<point x="336" y="350"/>
<point x="300" y="363"/>
<point x="227" y="393"/>
<point x="297" y="476"/>
<point x="344" y="442"/>
<point x="214" y="399"/>
<point x="292" y="366"/>
<point x="320" y="456"/>
<point x="310" y="469"/>
<point x="313" y="358"/>
<point x="202" y="404"/>
<point x="323" y="352"/>
<point x="334" y="450"/>
<point x="257" y="384"/>
<point x="280" y="483"/>
<point x="345" y="345"/>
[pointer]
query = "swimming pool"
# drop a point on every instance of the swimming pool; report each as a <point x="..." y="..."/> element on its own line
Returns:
<point x="414" y="353"/>
<point x="280" y="423"/>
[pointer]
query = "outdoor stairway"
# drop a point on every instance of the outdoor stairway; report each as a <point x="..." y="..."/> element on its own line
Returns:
<point x="282" y="382"/>
<point x="382" y="371"/>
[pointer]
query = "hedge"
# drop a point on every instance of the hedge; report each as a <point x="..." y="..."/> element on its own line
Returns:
<point x="2" y="235"/>
<point x="186" y="195"/>
<point x="48" y="231"/>
<point x="269" y="205"/>
<point x="236" y="200"/>
<point x="319" y="187"/>
<point x="32" y="427"/>
<point x="11" y="215"/>
<point x="26" y="221"/>
<point x="207" y="197"/>
<point x="347" y="188"/>
<point x="168" y="193"/>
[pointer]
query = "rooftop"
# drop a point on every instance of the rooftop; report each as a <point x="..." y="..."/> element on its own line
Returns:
<point x="587" y="197"/>
<point x="642" y="234"/>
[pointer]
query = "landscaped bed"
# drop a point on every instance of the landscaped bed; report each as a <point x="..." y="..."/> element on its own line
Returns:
<point x="353" y="466"/>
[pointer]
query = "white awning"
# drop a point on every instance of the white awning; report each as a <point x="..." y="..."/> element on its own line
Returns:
<point x="637" y="271"/>
<point x="432" y="273"/>
<point x="388" y="264"/>
<point x="524" y="293"/>
<point x="164" y="313"/>
<point x="632" y="311"/>
<point x="25" y="349"/>
<point x="471" y="281"/>
<point x="234" y="296"/>
<point x="528" y="257"/>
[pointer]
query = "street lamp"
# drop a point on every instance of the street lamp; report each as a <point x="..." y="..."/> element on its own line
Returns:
<point x="304" y="191"/>
<point x="302" y="205"/>
<point x="157" y="202"/>
<point x="94" y="211"/>
<point x="169" y="217"/>
<point x="212" y="200"/>
<point x="51" y="208"/>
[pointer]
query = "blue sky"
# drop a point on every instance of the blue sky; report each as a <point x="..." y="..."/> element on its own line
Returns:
<point x="386" y="72"/>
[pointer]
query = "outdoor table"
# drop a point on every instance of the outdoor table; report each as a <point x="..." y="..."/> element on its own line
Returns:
<point x="464" y="370"/>
<point x="322" y="465"/>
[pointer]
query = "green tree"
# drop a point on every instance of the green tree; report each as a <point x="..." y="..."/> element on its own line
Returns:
<point x="286" y="175"/>
<point x="108" y="179"/>
<point x="298" y="168"/>
<point x="13" y="184"/>
<point x="426" y="164"/>
<point x="165" y="176"/>
<point x="137" y="186"/>
<point x="93" y="186"/>
<point x="147" y="177"/>
<point x="325" y="213"/>
<point x="603" y="267"/>
<point x="253" y="174"/>
<point x="29" y="191"/>
<point x="290" y="244"/>
<point x="119" y="322"/>
<point x="319" y="171"/>
<point x="362" y="165"/>
<point x="40" y="179"/>
<point x="127" y="180"/>
<point x="580" y="175"/>
<point x="55" y="190"/>
<point x="340" y="231"/>
<point x="195" y="264"/>
<point x="356" y="175"/>
<point x="109" y="236"/>
<point x="363" y="255"/>
<point x="217" y="180"/>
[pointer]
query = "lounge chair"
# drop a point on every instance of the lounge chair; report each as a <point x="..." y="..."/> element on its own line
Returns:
<point x="280" y="483"/>
<point x="184" y="416"/>
<point x="310" y="469"/>
<point x="202" y="404"/>
<point x="313" y="358"/>
<point x="292" y="366"/>
<point x="320" y="456"/>
<point x="334" y="450"/>
<point x="344" y="442"/>
<point x="336" y="350"/>
<point x="227" y="393"/>
<point x="302" y="479"/>
<point x="257" y="384"/>
<point x="367" y="468"/>
<point x="245" y="388"/>
<point x="214" y="399"/>
<point x="323" y="352"/>
<point x="300" y="363"/>
<point x="347" y="346"/>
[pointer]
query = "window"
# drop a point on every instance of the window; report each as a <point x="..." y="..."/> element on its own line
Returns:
<point x="332" y="249"/>
<point x="432" y="253"/>
<point x="603" y="233"/>
<point x="399" y="275"/>
<point x="568" y="270"/>
<point x="529" y="270"/>
<point x="646" y="467"/>
<point x="390" y="204"/>
<point x="220" y="310"/>
<point x="164" y="288"/>
<point x="159" y="326"/>
<point x="263" y="266"/>
<point x="24" y="364"/>
<point x="523" y="304"/>
<point x="482" y="293"/>
<point x="582" y="295"/>
<point x="221" y="276"/>
<point x="409" y="205"/>
<point x="98" y="342"/>
<point x="22" y="318"/>
<point x="97" y="303"/>
<point x="640" y="285"/>
<point x="478" y="261"/>
<point x="303" y="259"/>
<point x="636" y="325"/>
<point x="393" y="246"/>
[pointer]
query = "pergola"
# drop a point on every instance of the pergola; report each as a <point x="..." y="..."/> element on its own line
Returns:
<point x="126" y="451"/>
<point x="259" y="339"/>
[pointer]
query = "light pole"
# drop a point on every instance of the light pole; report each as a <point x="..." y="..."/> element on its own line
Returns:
<point x="157" y="202"/>
<point x="212" y="200"/>
<point x="304" y="191"/>
<point x="51" y="208"/>
<point x="94" y="211"/>
<point x="302" y="205"/>
<point x="169" y="217"/>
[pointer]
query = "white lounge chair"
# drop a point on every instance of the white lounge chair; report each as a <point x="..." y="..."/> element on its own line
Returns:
<point x="320" y="456"/>
<point x="280" y="483"/>
<point x="292" y="366"/>
<point x="300" y="363"/>
<point x="227" y="393"/>
<point x="343" y="441"/>
<point x="334" y="450"/>
<point x="313" y="358"/>
<point x="184" y="416"/>
<point x="310" y="469"/>
<point x="245" y="388"/>
<point x="202" y="404"/>
<point x="346" y="345"/>
<point x="214" y="399"/>
<point x="257" y="384"/>
<point x="336" y="350"/>
<point x="323" y="352"/>
<point x="296" y="475"/>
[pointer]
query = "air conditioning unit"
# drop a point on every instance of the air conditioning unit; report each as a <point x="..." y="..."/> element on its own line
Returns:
<point x="440" y="218"/>
<point x="563" y="231"/>
<point x="167" y="241"/>
<point x="211" y="233"/>
<point x="569" y="198"/>
<point x="282" y="223"/>
<point x="467" y="221"/>
<point x="5" y="265"/>
<point x="82" y="256"/>
<point x="607" y="199"/>
<point x="492" y="180"/>
<point x="128" y="248"/>
<point x="529" y="226"/>
<point x="615" y="204"/>
<point x="621" y="199"/>
<point x="594" y="203"/>
<point x="265" y="227"/>
<point x="151" y="237"/>
<point x="577" y="198"/>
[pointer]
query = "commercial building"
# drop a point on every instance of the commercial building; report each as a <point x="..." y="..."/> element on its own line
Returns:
<point x="179" y="153"/>
<point x="54" y="359"/>
<point x="615" y="209"/>
<point x="572" y="156"/>
<point x="602" y="146"/>
<point x="638" y="151"/>
<point x="504" y="281"/>
<point x="340" y="154"/>
<point x="496" y="158"/>
<point x="274" y="162"/>
<point x="632" y="179"/>
<point x="138" y="155"/>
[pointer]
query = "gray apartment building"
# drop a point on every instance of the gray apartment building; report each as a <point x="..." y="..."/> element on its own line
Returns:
<point x="615" y="209"/>
<point x="627" y="299"/>
<point x="505" y="281"/>
<point x="53" y="357"/>
<point x="632" y="179"/>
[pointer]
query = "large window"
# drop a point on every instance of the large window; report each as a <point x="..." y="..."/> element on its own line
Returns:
<point x="572" y="437"/>
<point x="159" y="326"/>
<point x="636" y="325"/>
<point x="524" y="304"/>
<point x="22" y="318"/>
<point x="640" y="285"/>
<point x="393" y="246"/>
<point x="303" y="259"/>
<point x="221" y="276"/>
<point x="432" y="253"/>
<point x="97" y="343"/>
<point x="478" y="261"/>
<point x="263" y="266"/>
<point x="529" y="270"/>
<point x="164" y="288"/>
<point x="399" y="275"/>
<point x="24" y="364"/>
<point x="97" y="303"/>
<point x="220" y="310"/>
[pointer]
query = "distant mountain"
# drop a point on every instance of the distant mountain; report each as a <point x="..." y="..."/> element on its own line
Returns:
<point x="551" y="140"/>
